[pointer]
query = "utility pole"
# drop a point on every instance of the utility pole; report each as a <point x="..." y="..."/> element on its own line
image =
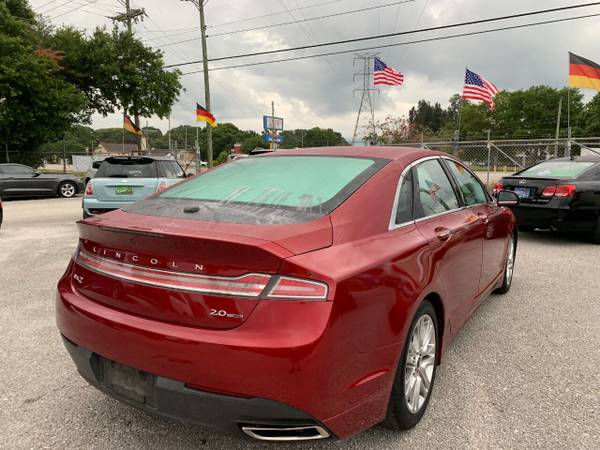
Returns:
<point x="366" y="75"/>
<point x="273" y="145"/>
<point x="199" y="4"/>
<point x="128" y="18"/>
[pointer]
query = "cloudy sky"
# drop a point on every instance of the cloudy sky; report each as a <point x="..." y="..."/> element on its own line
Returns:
<point x="320" y="91"/>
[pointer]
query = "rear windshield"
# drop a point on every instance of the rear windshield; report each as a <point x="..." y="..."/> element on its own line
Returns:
<point x="268" y="189"/>
<point x="557" y="169"/>
<point x="127" y="168"/>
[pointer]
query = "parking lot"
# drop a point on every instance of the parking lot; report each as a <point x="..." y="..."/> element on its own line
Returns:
<point x="524" y="372"/>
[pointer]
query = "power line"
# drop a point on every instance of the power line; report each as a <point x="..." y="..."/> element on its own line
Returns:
<point x="419" y="41"/>
<point x="310" y="19"/>
<point x="402" y="33"/>
<point x="89" y="3"/>
<point x="278" y="13"/>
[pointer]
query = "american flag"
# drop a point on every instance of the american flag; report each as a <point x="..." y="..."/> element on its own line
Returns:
<point x="386" y="75"/>
<point x="478" y="88"/>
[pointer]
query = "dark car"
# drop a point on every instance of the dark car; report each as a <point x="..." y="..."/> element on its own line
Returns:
<point x="302" y="294"/>
<point x="561" y="194"/>
<point x="1" y="214"/>
<point x="17" y="180"/>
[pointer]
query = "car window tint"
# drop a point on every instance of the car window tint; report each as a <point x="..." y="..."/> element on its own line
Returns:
<point x="435" y="193"/>
<point x="134" y="168"/>
<point x="557" y="169"/>
<point x="471" y="188"/>
<point x="170" y="169"/>
<point x="404" y="212"/>
<point x="17" y="170"/>
<point x="294" y="182"/>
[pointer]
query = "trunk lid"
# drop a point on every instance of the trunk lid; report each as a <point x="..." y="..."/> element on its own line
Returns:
<point x="530" y="189"/>
<point x="192" y="273"/>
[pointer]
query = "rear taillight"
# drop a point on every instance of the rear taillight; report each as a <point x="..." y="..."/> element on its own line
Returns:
<point x="298" y="289"/>
<point x="565" y="190"/>
<point x="498" y="187"/>
<point x="89" y="189"/>
<point x="549" y="191"/>
<point x="249" y="285"/>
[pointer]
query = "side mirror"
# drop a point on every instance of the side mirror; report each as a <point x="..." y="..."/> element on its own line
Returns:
<point x="36" y="174"/>
<point x="507" y="198"/>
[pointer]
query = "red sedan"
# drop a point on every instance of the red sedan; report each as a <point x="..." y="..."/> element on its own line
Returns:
<point x="303" y="294"/>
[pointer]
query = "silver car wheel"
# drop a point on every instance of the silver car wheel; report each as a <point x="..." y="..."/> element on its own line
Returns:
<point x="67" y="190"/>
<point x="510" y="261"/>
<point x="420" y="364"/>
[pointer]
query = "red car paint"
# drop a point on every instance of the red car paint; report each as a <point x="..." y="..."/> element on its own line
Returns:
<point x="335" y="359"/>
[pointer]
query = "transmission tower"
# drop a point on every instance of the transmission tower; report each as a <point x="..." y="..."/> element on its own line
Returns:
<point x="365" y="64"/>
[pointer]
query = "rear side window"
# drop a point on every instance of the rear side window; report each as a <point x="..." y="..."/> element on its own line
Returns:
<point x="557" y="169"/>
<point x="300" y="183"/>
<point x="127" y="168"/>
<point x="170" y="169"/>
<point x="404" y="212"/>
<point x="435" y="193"/>
<point x="17" y="170"/>
<point x="472" y="190"/>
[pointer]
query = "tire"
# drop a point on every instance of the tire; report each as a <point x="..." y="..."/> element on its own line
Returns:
<point x="509" y="266"/>
<point x="404" y="414"/>
<point x="595" y="236"/>
<point x="67" y="189"/>
<point x="526" y="228"/>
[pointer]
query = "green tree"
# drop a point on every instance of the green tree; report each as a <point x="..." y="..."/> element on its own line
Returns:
<point x="314" y="137"/>
<point x="591" y="117"/>
<point x="36" y="104"/>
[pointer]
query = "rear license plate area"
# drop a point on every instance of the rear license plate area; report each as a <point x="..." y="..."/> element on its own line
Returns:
<point x="124" y="190"/>
<point x="133" y="384"/>
<point x="523" y="192"/>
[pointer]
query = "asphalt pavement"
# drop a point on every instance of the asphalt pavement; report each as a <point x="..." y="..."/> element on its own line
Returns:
<point x="523" y="373"/>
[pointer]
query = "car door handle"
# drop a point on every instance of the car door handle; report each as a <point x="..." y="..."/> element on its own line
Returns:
<point x="483" y="218"/>
<point x="443" y="234"/>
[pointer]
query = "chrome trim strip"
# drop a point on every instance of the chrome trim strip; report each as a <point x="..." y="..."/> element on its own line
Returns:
<point x="251" y="431"/>
<point x="171" y="276"/>
<point x="392" y="224"/>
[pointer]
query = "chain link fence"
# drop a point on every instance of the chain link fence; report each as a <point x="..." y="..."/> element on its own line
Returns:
<point x="493" y="159"/>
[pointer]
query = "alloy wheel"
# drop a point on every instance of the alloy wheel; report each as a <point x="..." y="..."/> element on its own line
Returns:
<point x="420" y="364"/>
<point x="67" y="190"/>
<point x="510" y="261"/>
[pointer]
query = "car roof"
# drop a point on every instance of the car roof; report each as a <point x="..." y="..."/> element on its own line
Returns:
<point x="403" y="154"/>
<point x="136" y="157"/>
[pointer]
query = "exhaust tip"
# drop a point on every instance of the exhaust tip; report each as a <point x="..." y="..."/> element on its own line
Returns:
<point x="282" y="433"/>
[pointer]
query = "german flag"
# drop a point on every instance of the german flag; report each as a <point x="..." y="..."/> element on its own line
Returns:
<point x="130" y="126"/>
<point x="202" y="115"/>
<point x="583" y="73"/>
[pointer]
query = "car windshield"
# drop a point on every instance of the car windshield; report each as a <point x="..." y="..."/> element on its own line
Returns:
<point x="557" y="169"/>
<point x="265" y="189"/>
<point x="127" y="168"/>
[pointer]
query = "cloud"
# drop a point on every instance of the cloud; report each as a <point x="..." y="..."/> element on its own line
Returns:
<point x="319" y="91"/>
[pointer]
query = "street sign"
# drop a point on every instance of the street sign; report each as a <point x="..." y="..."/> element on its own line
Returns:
<point x="277" y="139"/>
<point x="273" y="123"/>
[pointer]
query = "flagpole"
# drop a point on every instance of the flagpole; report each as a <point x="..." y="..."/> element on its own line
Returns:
<point x="123" y="136"/>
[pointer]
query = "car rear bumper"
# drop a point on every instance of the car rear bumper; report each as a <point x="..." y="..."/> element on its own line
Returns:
<point x="174" y="399"/>
<point x="284" y="354"/>
<point x="560" y="219"/>
<point x="93" y="206"/>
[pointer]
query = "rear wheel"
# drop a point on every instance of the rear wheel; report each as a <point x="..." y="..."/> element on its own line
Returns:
<point x="67" y="189"/>
<point x="509" y="267"/>
<point x="596" y="232"/>
<point x="416" y="372"/>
